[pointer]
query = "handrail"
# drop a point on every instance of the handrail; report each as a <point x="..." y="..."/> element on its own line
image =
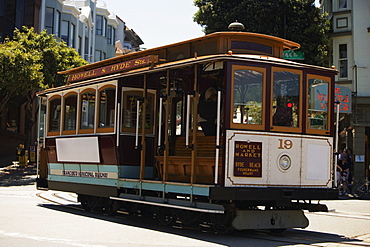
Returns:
<point x="118" y="123"/>
<point x="137" y="124"/>
<point x="336" y="143"/>
<point x="160" y="121"/>
<point x="218" y="123"/>
<point x="187" y="121"/>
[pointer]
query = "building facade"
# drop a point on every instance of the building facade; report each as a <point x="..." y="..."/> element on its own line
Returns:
<point x="350" y="54"/>
<point x="88" y="26"/>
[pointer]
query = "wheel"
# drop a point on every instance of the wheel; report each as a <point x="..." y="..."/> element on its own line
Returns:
<point x="84" y="203"/>
<point x="164" y="216"/>
<point x="111" y="207"/>
<point x="222" y="223"/>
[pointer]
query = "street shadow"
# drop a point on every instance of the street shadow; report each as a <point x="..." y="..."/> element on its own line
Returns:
<point x="235" y="238"/>
<point x="17" y="176"/>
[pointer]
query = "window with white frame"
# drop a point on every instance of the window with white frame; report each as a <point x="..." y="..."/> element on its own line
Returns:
<point x="65" y="31"/>
<point x="101" y="23"/>
<point x="49" y="20"/>
<point x="343" y="61"/>
<point x="342" y="22"/>
<point x="72" y="35"/>
<point x="110" y="34"/>
<point x="342" y="4"/>
<point x="57" y="24"/>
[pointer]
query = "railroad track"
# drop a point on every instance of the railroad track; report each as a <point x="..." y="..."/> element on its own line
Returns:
<point x="291" y="237"/>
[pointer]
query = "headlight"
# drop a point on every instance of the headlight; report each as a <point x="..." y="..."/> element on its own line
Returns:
<point x="284" y="162"/>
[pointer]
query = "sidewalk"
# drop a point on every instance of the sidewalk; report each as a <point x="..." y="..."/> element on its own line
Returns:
<point x="15" y="175"/>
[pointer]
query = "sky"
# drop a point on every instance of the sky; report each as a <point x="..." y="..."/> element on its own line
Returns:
<point x="159" y="22"/>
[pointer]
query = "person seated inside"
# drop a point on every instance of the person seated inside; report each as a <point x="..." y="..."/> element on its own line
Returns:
<point x="207" y="111"/>
<point x="283" y="116"/>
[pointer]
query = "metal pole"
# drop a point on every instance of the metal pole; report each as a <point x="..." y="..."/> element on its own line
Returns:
<point x="187" y="121"/>
<point x="137" y="124"/>
<point x="143" y="129"/>
<point x="166" y="126"/>
<point x="160" y="122"/>
<point x="195" y="127"/>
<point x="218" y="123"/>
<point x="336" y="143"/>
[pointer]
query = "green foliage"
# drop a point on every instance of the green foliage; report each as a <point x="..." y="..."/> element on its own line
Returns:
<point x="20" y="72"/>
<point x="55" y="55"/>
<point x="296" y="20"/>
<point x="30" y="62"/>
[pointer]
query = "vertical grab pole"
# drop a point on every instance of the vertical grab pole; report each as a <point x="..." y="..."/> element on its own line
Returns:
<point x="118" y="124"/>
<point x="195" y="129"/>
<point x="166" y="126"/>
<point x="143" y="129"/>
<point x="218" y="123"/>
<point x="336" y="143"/>
<point x="38" y="138"/>
<point x="160" y="122"/>
<point x="137" y="124"/>
<point x="187" y="121"/>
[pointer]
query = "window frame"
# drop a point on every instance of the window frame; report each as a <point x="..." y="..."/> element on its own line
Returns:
<point x="261" y="70"/>
<point x="65" y="31"/>
<point x="87" y="130"/>
<point x="131" y="130"/>
<point x="340" y="59"/>
<point x="308" y="130"/>
<point x="64" y="131"/>
<point x="57" y="20"/>
<point x="49" y="20"/>
<point x="275" y="128"/>
<point x="53" y="133"/>
<point x="344" y="2"/>
<point x="107" y="129"/>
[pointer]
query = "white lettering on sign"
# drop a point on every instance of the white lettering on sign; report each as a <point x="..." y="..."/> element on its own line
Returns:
<point x="87" y="174"/>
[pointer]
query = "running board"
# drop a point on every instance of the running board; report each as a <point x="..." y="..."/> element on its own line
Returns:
<point x="269" y="219"/>
<point x="172" y="203"/>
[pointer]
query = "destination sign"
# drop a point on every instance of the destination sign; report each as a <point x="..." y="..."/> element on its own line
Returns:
<point x="342" y="94"/>
<point x="248" y="159"/>
<point x="113" y="68"/>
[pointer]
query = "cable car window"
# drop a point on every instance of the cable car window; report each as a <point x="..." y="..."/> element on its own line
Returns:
<point x="129" y="111"/>
<point x="285" y="100"/>
<point x="248" y="97"/>
<point x="88" y="109"/>
<point x="317" y="104"/>
<point x="70" y="112"/>
<point x="54" y="114"/>
<point x="107" y="99"/>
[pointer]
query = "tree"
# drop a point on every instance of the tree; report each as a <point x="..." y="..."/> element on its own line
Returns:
<point x="29" y="62"/>
<point x="20" y="72"/>
<point x="55" y="55"/>
<point x="296" y="20"/>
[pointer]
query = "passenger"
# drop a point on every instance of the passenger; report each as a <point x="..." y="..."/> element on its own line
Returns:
<point x="351" y="167"/>
<point x="342" y="172"/>
<point x="207" y="111"/>
<point x="283" y="116"/>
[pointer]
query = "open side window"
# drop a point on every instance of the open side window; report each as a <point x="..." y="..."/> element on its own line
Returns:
<point x="248" y="90"/>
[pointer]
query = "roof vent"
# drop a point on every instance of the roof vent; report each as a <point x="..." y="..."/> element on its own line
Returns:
<point x="236" y="26"/>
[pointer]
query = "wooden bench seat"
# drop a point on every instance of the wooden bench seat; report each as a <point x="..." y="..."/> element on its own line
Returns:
<point x="179" y="165"/>
<point x="179" y="169"/>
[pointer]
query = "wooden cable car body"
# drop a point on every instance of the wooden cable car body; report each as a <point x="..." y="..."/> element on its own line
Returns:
<point x="128" y="132"/>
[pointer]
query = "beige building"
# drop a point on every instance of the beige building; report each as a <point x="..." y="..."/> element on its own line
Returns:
<point x="350" y="53"/>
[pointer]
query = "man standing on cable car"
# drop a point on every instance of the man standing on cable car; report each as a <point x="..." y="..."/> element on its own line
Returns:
<point x="207" y="111"/>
